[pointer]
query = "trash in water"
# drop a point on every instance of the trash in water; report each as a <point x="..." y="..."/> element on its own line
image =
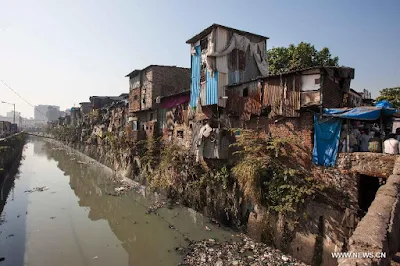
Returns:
<point x="2" y="259"/>
<point x="80" y="162"/>
<point x="52" y="217"/>
<point x="207" y="228"/>
<point x="40" y="189"/>
<point x="10" y="235"/>
<point x="95" y="257"/>
<point x="119" y="189"/>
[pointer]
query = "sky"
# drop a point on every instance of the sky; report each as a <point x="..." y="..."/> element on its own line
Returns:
<point x="61" y="52"/>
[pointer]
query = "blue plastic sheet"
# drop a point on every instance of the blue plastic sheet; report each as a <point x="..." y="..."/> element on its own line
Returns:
<point x="384" y="104"/>
<point x="358" y="113"/>
<point x="326" y="141"/>
<point x="364" y="112"/>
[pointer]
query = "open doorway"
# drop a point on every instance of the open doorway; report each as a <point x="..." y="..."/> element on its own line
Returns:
<point x="368" y="186"/>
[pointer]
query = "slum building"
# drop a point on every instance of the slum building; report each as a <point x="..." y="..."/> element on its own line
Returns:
<point x="220" y="56"/>
<point x="152" y="92"/>
<point x="284" y="105"/>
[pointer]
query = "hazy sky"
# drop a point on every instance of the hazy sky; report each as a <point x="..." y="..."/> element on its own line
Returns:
<point x="61" y="52"/>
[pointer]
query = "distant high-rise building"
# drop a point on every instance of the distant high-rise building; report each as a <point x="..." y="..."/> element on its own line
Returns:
<point x="11" y="114"/>
<point x="46" y="112"/>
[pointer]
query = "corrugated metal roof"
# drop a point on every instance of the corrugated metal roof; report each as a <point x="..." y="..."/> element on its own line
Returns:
<point x="291" y="72"/>
<point x="207" y="31"/>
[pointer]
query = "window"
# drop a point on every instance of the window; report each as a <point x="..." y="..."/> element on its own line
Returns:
<point x="134" y="125"/>
<point x="317" y="81"/>
<point x="135" y="97"/>
<point x="246" y="92"/>
<point x="179" y="134"/>
<point x="237" y="60"/>
<point x="203" y="72"/>
<point x="151" y="116"/>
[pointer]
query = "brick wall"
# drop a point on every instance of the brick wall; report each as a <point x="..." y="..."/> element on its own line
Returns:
<point x="158" y="81"/>
<point x="301" y="131"/>
<point x="134" y="100"/>
<point x="332" y="95"/>
<point x="169" y="80"/>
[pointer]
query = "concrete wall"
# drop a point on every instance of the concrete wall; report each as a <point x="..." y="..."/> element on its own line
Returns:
<point x="379" y="230"/>
<point x="10" y="149"/>
<point x="308" y="82"/>
<point x="367" y="163"/>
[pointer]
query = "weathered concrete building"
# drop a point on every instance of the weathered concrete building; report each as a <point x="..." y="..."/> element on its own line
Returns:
<point x="220" y="56"/>
<point x="99" y="102"/>
<point x="223" y="56"/>
<point x="173" y="118"/>
<point x="86" y="107"/>
<point x="146" y="89"/>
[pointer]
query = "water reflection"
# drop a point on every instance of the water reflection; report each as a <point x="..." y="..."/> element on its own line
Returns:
<point x="147" y="239"/>
<point x="12" y="217"/>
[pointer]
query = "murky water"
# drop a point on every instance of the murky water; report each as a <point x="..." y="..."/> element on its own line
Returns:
<point x="75" y="221"/>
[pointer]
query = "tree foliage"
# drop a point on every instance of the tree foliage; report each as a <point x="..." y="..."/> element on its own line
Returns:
<point x="392" y="95"/>
<point x="284" y="59"/>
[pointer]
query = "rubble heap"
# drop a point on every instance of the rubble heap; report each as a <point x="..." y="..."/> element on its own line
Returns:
<point x="242" y="252"/>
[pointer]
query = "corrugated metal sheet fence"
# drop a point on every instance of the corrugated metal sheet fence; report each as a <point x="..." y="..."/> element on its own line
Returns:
<point x="283" y="95"/>
<point x="195" y="84"/>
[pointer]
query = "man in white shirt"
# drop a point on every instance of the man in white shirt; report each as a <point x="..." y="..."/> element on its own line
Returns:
<point x="391" y="145"/>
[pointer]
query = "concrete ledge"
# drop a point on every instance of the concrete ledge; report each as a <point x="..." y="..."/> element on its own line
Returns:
<point x="379" y="230"/>
<point x="368" y="163"/>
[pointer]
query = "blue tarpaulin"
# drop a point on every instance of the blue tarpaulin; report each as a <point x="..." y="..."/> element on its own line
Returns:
<point x="326" y="141"/>
<point x="358" y="113"/>
<point x="363" y="112"/>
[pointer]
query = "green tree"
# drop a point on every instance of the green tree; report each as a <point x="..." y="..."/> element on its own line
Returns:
<point x="283" y="59"/>
<point x="392" y="95"/>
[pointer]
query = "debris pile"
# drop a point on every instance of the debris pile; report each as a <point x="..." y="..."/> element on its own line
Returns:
<point x="125" y="187"/>
<point x="154" y="207"/>
<point x="242" y="252"/>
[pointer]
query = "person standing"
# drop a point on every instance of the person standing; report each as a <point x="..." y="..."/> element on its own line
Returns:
<point x="398" y="133"/>
<point x="391" y="145"/>
<point x="375" y="143"/>
<point x="364" y="140"/>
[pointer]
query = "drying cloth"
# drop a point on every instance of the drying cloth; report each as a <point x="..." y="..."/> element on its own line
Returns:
<point x="242" y="43"/>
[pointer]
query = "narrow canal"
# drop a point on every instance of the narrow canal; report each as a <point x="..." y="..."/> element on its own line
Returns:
<point x="74" y="220"/>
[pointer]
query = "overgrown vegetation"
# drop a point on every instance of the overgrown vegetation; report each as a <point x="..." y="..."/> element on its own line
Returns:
<point x="149" y="153"/>
<point x="177" y="168"/>
<point x="264" y="178"/>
